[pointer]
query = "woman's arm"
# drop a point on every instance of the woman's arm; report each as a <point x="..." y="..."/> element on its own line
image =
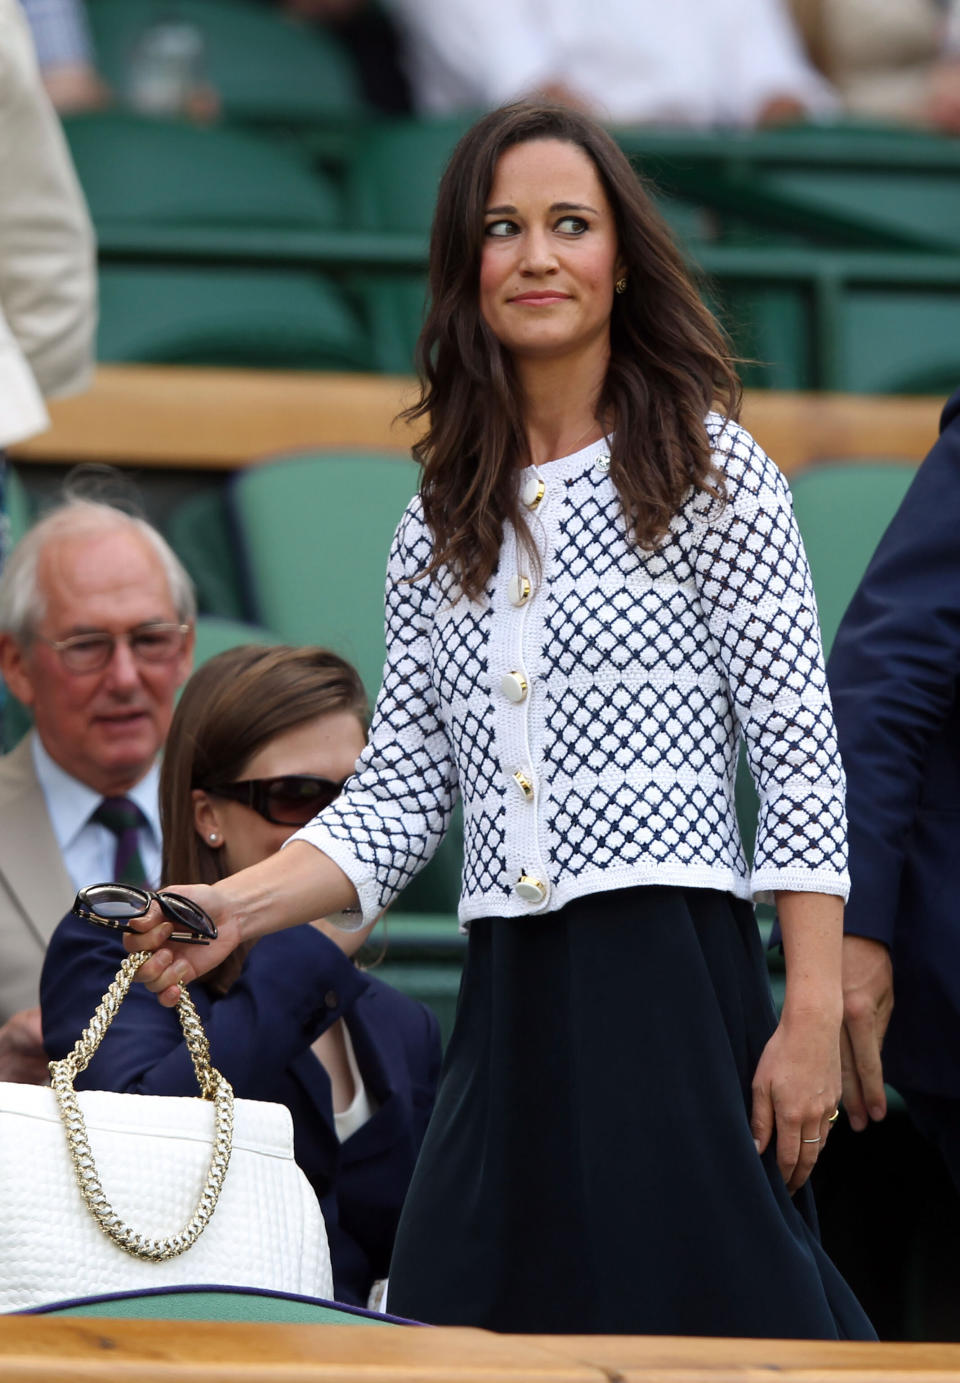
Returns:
<point x="756" y="590"/>
<point x="291" y="887"/>
<point x="292" y="988"/>
<point x="796" y="1087"/>
<point x="370" y="843"/>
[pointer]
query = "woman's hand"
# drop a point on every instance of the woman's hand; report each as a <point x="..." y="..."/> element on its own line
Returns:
<point x="290" y="887"/>
<point x="174" y="963"/>
<point x="796" y="1090"/>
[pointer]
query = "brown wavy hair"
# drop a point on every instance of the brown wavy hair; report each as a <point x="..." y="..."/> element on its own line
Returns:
<point x="669" y="363"/>
<point x="230" y="708"/>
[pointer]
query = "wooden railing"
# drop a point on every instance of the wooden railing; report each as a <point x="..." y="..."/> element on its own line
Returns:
<point x="49" y="1349"/>
<point x="179" y="416"/>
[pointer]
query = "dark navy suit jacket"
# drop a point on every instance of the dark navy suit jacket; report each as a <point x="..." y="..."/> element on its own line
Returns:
<point x="294" y="984"/>
<point x="894" y="675"/>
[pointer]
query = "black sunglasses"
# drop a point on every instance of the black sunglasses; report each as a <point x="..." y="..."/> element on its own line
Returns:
<point x="116" y="905"/>
<point x="291" y="800"/>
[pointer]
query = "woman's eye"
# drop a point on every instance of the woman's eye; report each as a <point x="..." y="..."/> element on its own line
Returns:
<point x="572" y="225"/>
<point x="500" y="228"/>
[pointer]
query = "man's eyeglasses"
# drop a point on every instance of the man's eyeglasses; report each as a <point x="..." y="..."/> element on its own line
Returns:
<point x="149" y="643"/>
<point x="291" y="800"/>
<point x="116" y="905"/>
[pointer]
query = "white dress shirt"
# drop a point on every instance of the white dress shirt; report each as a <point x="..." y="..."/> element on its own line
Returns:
<point x="686" y="62"/>
<point x="88" y="848"/>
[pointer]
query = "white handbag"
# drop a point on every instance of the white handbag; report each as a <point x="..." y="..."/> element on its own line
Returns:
<point x="166" y="1190"/>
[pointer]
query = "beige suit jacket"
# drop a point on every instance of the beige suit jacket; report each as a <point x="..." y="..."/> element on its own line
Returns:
<point x="35" y="888"/>
<point x="47" y="269"/>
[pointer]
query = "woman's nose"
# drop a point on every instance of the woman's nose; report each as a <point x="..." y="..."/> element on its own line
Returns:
<point x="538" y="255"/>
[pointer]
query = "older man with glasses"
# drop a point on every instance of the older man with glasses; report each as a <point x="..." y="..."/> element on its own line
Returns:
<point x="96" y="635"/>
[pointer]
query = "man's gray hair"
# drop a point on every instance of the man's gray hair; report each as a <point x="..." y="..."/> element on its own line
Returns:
<point x="22" y="602"/>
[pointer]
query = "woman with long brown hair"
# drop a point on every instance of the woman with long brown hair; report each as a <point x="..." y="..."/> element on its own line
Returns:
<point x="262" y="738"/>
<point x="599" y="589"/>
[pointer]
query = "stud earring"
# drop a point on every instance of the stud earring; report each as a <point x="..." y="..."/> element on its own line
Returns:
<point x="213" y="837"/>
<point x="621" y="285"/>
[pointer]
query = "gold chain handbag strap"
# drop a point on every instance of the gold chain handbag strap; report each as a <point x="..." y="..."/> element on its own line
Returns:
<point x="213" y="1086"/>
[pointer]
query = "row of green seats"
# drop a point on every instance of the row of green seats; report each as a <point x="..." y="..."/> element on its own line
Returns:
<point x="219" y="246"/>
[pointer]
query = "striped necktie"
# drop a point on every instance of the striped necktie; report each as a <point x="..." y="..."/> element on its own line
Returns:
<point x="124" y="818"/>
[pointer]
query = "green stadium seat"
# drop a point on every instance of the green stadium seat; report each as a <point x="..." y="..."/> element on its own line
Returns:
<point x="264" y="66"/>
<point x="19" y="506"/>
<point x="898" y="339"/>
<point x="313" y="532"/>
<point x="167" y="173"/>
<point x="223" y="316"/>
<point x="216" y="634"/>
<point x="843" y="510"/>
<point x="199" y="532"/>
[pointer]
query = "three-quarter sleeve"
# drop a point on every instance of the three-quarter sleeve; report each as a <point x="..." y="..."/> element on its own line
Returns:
<point x="757" y="594"/>
<point x="395" y="811"/>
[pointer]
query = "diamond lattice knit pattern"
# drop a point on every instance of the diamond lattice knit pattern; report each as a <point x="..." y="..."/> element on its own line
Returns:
<point x="640" y="672"/>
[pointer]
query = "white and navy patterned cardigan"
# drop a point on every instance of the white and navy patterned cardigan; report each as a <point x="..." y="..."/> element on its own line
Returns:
<point x="591" y="724"/>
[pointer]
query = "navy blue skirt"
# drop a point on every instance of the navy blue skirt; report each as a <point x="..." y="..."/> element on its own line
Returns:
<point x="589" y="1167"/>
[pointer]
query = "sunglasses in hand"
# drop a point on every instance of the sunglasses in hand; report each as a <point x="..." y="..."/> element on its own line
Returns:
<point x="117" y="905"/>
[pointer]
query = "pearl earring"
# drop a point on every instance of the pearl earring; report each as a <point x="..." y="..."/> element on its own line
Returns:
<point x="212" y="837"/>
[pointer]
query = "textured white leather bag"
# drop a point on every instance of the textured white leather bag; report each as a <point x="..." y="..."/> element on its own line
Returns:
<point x="155" y="1190"/>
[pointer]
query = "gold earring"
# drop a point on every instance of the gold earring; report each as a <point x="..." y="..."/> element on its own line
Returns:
<point x="621" y="285"/>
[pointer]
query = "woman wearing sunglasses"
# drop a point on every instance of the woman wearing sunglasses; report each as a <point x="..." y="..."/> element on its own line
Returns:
<point x="262" y="740"/>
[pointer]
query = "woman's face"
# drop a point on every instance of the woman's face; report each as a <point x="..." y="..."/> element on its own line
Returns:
<point x="550" y="257"/>
<point x="327" y="747"/>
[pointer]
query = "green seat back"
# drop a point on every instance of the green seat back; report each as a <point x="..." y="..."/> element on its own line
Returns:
<point x="899" y="340"/>
<point x="843" y="510"/>
<point x="199" y="533"/>
<point x="314" y="532"/>
<point x="216" y="634"/>
<point x="160" y="172"/>
<point x="919" y="202"/>
<point x="392" y="183"/>
<point x="230" y="317"/>
<point x="263" y="65"/>
<point x="19" y="506"/>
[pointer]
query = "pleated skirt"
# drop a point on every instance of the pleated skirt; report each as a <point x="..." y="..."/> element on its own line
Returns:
<point x="589" y="1167"/>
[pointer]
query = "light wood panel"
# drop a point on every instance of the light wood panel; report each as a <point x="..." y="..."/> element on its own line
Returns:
<point x="180" y="416"/>
<point x="50" y="1349"/>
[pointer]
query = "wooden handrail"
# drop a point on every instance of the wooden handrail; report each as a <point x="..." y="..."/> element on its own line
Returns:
<point x="82" y="1349"/>
<point x="195" y="417"/>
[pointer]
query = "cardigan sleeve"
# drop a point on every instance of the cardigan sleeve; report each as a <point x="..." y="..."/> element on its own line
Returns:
<point x="393" y="814"/>
<point x="755" y="587"/>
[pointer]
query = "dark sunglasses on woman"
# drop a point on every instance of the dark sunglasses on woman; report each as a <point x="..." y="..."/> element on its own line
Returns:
<point x="116" y="906"/>
<point x="290" y="800"/>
